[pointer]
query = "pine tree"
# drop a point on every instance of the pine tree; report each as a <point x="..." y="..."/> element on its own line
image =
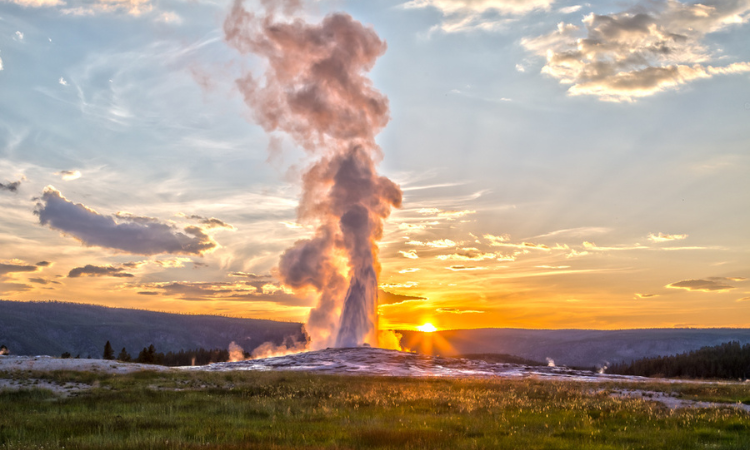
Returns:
<point x="109" y="353"/>
<point x="124" y="356"/>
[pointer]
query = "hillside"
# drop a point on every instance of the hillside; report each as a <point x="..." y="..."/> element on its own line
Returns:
<point x="51" y="328"/>
<point x="583" y="348"/>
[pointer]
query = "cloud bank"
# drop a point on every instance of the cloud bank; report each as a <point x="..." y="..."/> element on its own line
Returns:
<point x="468" y="15"/>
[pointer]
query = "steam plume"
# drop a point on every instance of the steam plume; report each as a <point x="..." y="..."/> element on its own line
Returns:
<point x="316" y="91"/>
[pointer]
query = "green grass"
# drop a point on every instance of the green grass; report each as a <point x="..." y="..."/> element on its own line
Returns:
<point x="252" y="410"/>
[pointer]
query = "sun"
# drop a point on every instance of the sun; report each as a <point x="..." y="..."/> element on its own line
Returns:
<point x="427" y="328"/>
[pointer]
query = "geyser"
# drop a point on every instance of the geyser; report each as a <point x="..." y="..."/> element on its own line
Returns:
<point x="315" y="90"/>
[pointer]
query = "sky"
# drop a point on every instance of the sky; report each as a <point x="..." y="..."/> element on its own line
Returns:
<point x="563" y="164"/>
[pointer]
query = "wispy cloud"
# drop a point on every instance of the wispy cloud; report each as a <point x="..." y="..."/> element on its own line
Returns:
<point x="440" y="243"/>
<point x="468" y="15"/>
<point x="655" y="47"/>
<point x="69" y="175"/>
<point x="661" y="237"/>
<point x="411" y="254"/>
<point x="458" y="311"/>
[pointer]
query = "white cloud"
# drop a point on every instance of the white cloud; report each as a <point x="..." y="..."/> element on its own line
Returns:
<point x="411" y="254"/>
<point x="36" y="3"/>
<point x="68" y="175"/>
<point x="62" y="81"/>
<point x="468" y="15"/>
<point x="570" y="9"/>
<point x="624" y="56"/>
<point x="19" y="36"/>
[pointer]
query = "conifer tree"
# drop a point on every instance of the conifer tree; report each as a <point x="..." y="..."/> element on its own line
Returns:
<point x="124" y="356"/>
<point x="109" y="353"/>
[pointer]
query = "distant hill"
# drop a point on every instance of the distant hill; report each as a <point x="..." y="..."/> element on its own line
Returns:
<point x="51" y="328"/>
<point x="581" y="348"/>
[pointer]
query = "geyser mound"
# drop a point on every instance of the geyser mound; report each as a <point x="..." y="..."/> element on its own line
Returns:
<point x="382" y="362"/>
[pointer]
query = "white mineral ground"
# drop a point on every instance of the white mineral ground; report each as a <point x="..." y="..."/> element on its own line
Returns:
<point x="355" y="361"/>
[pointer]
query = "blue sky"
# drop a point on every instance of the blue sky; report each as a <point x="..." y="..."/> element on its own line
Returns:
<point x="581" y="130"/>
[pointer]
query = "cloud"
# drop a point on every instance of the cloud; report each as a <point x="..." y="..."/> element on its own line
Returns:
<point x="16" y="266"/>
<point x="654" y="47"/>
<point x="552" y="267"/>
<point x="592" y="246"/>
<point x="440" y="243"/>
<point x="410" y="270"/>
<point x="579" y="231"/>
<point x="459" y="311"/>
<point x="44" y="264"/>
<point x="387" y="298"/>
<point x="411" y="254"/>
<point x="570" y="9"/>
<point x="646" y="295"/>
<point x="68" y="175"/>
<point x="10" y="187"/>
<point x="133" y="234"/>
<point x="406" y="285"/>
<point x="36" y="3"/>
<point x="459" y="267"/>
<point x="43" y="281"/>
<point x="468" y="15"/>
<point x="222" y="291"/>
<point x="131" y="7"/>
<point x="666" y="237"/>
<point x="63" y="82"/>
<point x="210" y="222"/>
<point x="450" y="215"/>
<point x="99" y="271"/>
<point x="472" y="254"/>
<point x="744" y="299"/>
<point x="712" y="284"/>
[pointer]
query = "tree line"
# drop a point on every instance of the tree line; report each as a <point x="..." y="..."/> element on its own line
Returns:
<point x="729" y="360"/>
<point x="149" y="355"/>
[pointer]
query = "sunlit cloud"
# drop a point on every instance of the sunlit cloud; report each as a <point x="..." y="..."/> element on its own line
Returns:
<point x="411" y="270"/>
<point x="579" y="231"/>
<point x="292" y="225"/>
<point x="411" y="254"/>
<point x="208" y="222"/>
<point x="62" y="81"/>
<point x="406" y="285"/>
<point x="69" y="175"/>
<point x="646" y="295"/>
<point x="440" y="243"/>
<point x="666" y="237"/>
<point x="133" y="234"/>
<point x="130" y="7"/>
<point x="552" y="267"/>
<point x="576" y="253"/>
<point x="521" y="246"/>
<point x="221" y="291"/>
<point x="386" y="298"/>
<point x="623" y="56"/>
<point x="570" y="9"/>
<point x="494" y="240"/>
<point x="711" y="284"/>
<point x="744" y="299"/>
<point x="458" y="311"/>
<point x="90" y="270"/>
<point x="473" y="254"/>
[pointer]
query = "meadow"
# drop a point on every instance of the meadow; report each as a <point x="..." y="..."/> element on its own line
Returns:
<point x="284" y="410"/>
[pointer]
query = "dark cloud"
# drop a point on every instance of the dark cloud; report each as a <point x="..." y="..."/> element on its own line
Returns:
<point x="10" y="187"/>
<point x="44" y="264"/>
<point x="387" y="298"/>
<point x="262" y="291"/>
<point x="133" y="234"/>
<point x="6" y="268"/>
<point x="15" y="287"/>
<point x="249" y="275"/>
<point x="211" y="222"/>
<point x="713" y="284"/>
<point x="99" y="271"/>
<point x="43" y="281"/>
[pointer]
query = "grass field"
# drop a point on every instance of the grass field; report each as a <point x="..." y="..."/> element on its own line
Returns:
<point x="252" y="410"/>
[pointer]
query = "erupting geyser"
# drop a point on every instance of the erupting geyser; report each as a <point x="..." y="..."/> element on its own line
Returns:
<point x="316" y="91"/>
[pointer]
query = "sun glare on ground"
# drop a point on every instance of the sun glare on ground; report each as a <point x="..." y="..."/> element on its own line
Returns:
<point x="427" y="328"/>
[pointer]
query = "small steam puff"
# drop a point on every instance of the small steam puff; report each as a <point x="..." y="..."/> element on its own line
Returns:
<point x="315" y="90"/>
<point x="550" y="362"/>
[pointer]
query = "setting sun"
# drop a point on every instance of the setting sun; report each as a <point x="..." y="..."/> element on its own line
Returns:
<point x="427" y="328"/>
